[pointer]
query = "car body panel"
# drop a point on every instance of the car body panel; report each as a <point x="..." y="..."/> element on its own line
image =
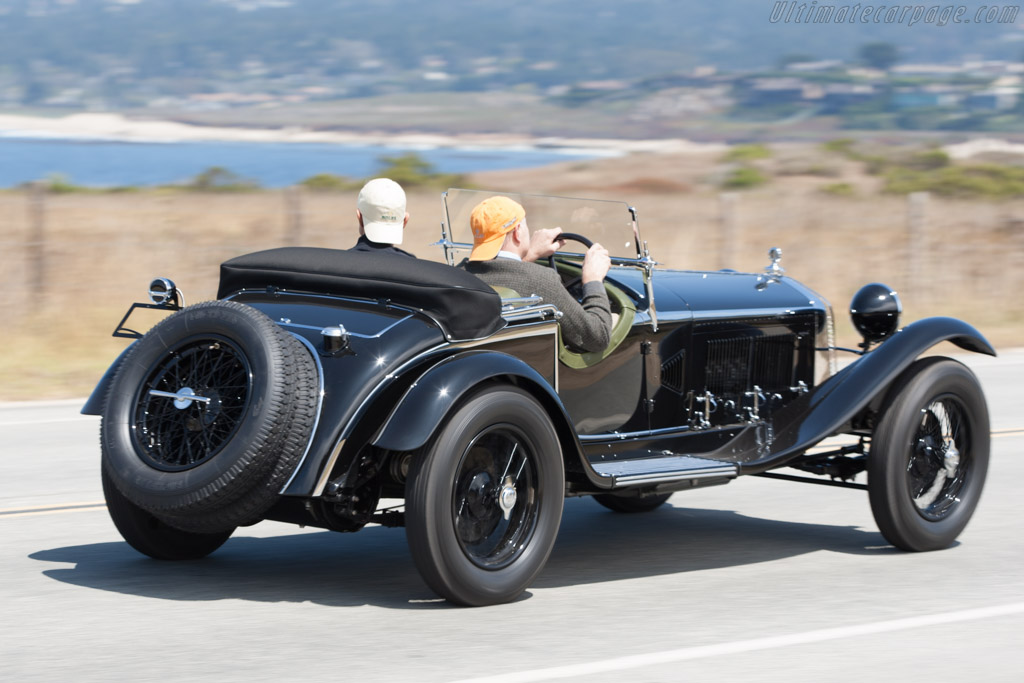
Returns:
<point x="625" y="405"/>
<point x="424" y="405"/>
<point x="721" y="366"/>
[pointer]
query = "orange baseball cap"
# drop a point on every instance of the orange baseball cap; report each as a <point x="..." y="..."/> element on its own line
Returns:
<point x="491" y="220"/>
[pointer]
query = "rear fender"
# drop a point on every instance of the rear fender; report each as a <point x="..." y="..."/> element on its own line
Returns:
<point x="835" y="402"/>
<point x="98" y="398"/>
<point x="425" y="404"/>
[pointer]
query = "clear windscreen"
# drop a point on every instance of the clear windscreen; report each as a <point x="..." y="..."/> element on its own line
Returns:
<point x="608" y="223"/>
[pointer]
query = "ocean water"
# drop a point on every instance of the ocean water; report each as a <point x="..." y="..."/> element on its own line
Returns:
<point x="104" y="163"/>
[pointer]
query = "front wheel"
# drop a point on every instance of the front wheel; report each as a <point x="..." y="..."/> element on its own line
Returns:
<point x="929" y="456"/>
<point x="484" y="499"/>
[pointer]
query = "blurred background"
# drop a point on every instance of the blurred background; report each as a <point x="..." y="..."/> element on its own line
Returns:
<point x="144" y="138"/>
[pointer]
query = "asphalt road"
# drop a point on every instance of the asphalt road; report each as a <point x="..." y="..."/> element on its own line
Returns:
<point x="759" y="580"/>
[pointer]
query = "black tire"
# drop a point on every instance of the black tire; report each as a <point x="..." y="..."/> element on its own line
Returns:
<point x="209" y="466"/>
<point x="628" y="504"/>
<point x="462" y="545"/>
<point x="153" y="537"/>
<point x="929" y="455"/>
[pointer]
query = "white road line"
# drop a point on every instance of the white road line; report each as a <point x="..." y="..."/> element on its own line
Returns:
<point x="688" y="653"/>
<point x="14" y="514"/>
<point x="52" y="506"/>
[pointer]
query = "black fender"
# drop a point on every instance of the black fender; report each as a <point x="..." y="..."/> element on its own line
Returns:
<point x="428" y="400"/>
<point x="833" y="403"/>
<point x="98" y="398"/>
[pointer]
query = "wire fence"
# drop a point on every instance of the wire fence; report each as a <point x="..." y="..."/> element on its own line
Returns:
<point x="63" y="253"/>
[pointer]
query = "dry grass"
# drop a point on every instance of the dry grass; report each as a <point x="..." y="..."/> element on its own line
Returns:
<point x="102" y="250"/>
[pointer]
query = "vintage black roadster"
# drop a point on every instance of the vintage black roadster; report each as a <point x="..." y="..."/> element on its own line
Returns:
<point x="322" y="382"/>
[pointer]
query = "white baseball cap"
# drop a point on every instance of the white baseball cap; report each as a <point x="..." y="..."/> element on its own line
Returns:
<point x="382" y="203"/>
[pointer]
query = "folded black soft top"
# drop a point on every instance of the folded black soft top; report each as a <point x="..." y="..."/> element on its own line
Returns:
<point x="462" y="303"/>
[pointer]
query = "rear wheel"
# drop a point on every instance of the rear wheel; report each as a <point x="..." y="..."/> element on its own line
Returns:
<point x="929" y="456"/>
<point x="153" y="537"/>
<point x="208" y="416"/>
<point x="484" y="500"/>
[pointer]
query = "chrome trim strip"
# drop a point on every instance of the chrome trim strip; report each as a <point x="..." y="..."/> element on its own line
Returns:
<point x="319" y="408"/>
<point x="513" y="302"/>
<point x="745" y="312"/>
<point x="700" y="316"/>
<point x="517" y="332"/>
<point x="721" y="314"/>
<point x="671" y="317"/>
<point x="446" y="221"/>
<point x="556" y="365"/>
<point x="730" y="471"/>
<point x="652" y="310"/>
<point x="530" y="312"/>
<point x="318" y="328"/>
<point x="618" y="436"/>
<point x="285" y="292"/>
<point x="314" y="295"/>
<point x="336" y="451"/>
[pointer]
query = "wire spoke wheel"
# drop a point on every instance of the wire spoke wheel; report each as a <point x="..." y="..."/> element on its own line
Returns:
<point x="497" y="468"/>
<point x="213" y="382"/>
<point x="940" y="458"/>
<point x="207" y="417"/>
<point x="929" y="455"/>
<point x="484" y="498"/>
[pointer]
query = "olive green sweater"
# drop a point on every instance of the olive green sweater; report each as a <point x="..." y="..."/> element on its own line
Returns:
<point x="585" y="327"/>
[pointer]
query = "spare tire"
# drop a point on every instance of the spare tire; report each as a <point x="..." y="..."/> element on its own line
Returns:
<point x="208" y="416"/>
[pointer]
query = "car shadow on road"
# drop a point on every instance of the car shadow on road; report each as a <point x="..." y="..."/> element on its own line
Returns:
<point x="374" y="566"/>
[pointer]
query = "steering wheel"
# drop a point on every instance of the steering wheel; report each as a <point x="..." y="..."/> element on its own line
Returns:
<point x="571" y="237"/>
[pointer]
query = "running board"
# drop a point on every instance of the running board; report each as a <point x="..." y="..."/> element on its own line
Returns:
<point x="656" y="467"/>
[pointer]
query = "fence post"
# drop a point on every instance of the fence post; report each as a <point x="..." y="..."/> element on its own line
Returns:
<point x="293" y="202"/>
<point x="917" y="244"/>
<point x="727" y="203"/>
<point x="37" y="239"/>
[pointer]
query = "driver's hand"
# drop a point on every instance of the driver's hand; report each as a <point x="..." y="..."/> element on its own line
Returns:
<point x="544" y="243"/>
<point x="596" y="264"/>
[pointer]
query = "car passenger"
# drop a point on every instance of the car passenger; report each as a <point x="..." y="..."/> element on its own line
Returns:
<point x="504" y="253"/>
<point x="382" y="217"/>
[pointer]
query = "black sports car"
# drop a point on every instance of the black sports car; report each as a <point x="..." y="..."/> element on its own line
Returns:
<point x="322" y="382"/>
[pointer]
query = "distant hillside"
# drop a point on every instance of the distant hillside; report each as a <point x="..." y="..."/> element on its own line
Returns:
<point x="127" y="51"/>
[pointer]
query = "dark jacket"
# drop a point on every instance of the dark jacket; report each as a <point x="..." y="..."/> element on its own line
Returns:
<point x="585" y="327"/>
<point x="366" y="245"/>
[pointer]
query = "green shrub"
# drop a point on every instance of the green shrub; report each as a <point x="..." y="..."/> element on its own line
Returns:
<point x="747" y="153"/>
<point x="220" y="179"/>
<point x="927" y="160"/>
<point x="975" y="181"/>
<point x="841" y="146"/>
<point x="411" y="170"/>
<point x="744" y="177"/>
<point x="839" y="189"/>
<point x="807" y="166"/>
<point x="58" y="183"/>
<point x="876" y="164"/>
<point x="329" y="182"/>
